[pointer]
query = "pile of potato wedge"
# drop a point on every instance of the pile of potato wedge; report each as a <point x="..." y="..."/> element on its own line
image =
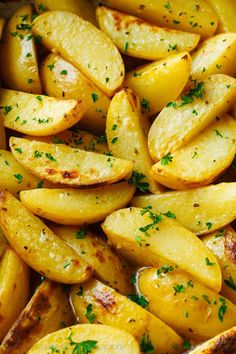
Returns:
<point x="118" y="177"/>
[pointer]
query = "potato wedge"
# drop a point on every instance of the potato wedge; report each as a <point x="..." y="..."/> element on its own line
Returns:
<point x="38" y="115"/>
<point x="14" y="177"/>
<point x="225" y="342"/>
<point x="3" y="243"/>
<point x="14" y="279"/>
<point x="151" y="82"/>
<point x="62" y="80"/>
<point x="182" y="120"/>
<point x="223" y="243"/>
<point x="104" y="67"/>
<point x="19" y="58"/>
<point x="186" y="15"/>
<point x="125" y="130"/>
<point x="108" y="267"/>
<point x="82" y="8"/>
<point x="141" y="39"/>
<point x="61" y="164"/>
<point x="2" y="26"/>
<point x="98" y="338"/>
<point x="147" y="238"/>
<point x="27" y="233"/>
<point x="111" y="308"/>
<point x="77" y="207"/>
<point x="190" y="308"/>
<point x="202" y="209"/>
<point x="201" y="161"/>
<point x="215" y="55"/>
<point x="225" y="11"/>
<point x="47" y="311"/>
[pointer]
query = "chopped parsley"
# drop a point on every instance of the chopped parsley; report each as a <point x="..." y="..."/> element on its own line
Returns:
<point x="19" y="177"/>
<point x="179" y="288"/>
<point x="208" y="263"/>
<point x="171" y="104"/>
<point x="114" y="140"/>
<point x="206" y="298"/>
<point x="136" y="74"/>
<point x="176" y="22"/>
<point x="81" y="291"/>
<point x="220" y="233"/>
<point x="172" y="47"/>
<point x="126" y="47"/>
<point x="136" y="179"/>
<point x="222" y="309"/>
<point x="114" y="127"/>
<point x="39" y="98"/>
<point x="187" y="344"/>
<point x="18" y="150"/>
<point x="166" y="159"/>
<point x="133" y="279"/>
<point x="156" y="218"/>
<point x="145" y="105"/>
<point x="38" y="39"/>
<point x="84" y="347"/>
<point x="38" y="154"/>
<point x="50" y="157"/>
<point x="209" y="225"/>
<point x="146" y="344"/>
<point x="218" y="133"/>
<point x="139" y="299"/>
<point x="94" y="97"/>
<point x="42" y="8"/>
<point x="64" y="72"/>
<point x="196" y="92"/>
<point x="169" y="214"/>
<point x="230" y="283"/>
<point x="51" y="66"/>
<point x="40" y="184"/>
<point x="89" y="313"/>
<point x="80" y="234"/>
<point x="164" y="270"/>
<point x="6" y="109"/>
<point x="167" y="5"/>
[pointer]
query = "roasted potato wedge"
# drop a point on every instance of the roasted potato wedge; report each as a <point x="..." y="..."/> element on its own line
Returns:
<point x="223" y="244"/>
<point x="225" y="11"/>
<point x="108" y="267"/>
<point x="202" y="209"/>
<point x="27" y="233"/>
<point x="151" y="82"/>
<point x="215" y="55"/>
<point x="82" y="8"/>
<point x="126" y="138"/>
<point x="19" y="67"/>
<point x="62" y="80"/>
<point x="186" y="15"/>
<point x="225" y="342"/>
<point x="14" y="290"/>
<point x="190" y="308"/>
<point x="59" y="163"/>
<point x="104" y="66"/>
<point x="201" y="161"/>
<point x="3" y="243"/>
<point x="47" y="311"/>
<point x="111" y="308"/>
<point x="147" y="238"/>
<point x="141" y="39"/>
<point x="185" y="118"/>
<point x="38" y="115"/>
<point x="97" y="338"/>
<point x="77" y="206"/>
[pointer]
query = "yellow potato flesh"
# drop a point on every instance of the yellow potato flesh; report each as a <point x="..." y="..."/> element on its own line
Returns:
<point x="201" y="208"/>
<point x="116" y="310"/>
<point x="186" y="15"/>
<point x="171" y="242"/>
<point x="125" y="130"/>
<point x="105" y="339"/>
<point x="141" y="39"/>
<point x="215" y="55"/>
<point x="3" y="243"/>
<point x="59" y="163"/>
<point x="38" y="246"/>
<point x="222" y="243"/>
<point x="177" y="124"/>
<point x="19" y="57"/>
<point x="47" y="311"/>
<point x="77" y="207"/>
<point x="208" y="154"/>
<point x="151" y="82"/>
<point x="14" y="278"/>
<point x="73" y="84"/>
<point x="38" y="115"/>
<point x="103" y="66"/>
<point x="108" y="267"/>
<point x="194" y="306"/>
<point x="225" y="11"/>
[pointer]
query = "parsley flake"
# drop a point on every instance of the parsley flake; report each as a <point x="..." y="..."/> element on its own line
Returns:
<point x="136" y="179"/>
<point x="139" y="299"/>
<point x="166" y="159"/>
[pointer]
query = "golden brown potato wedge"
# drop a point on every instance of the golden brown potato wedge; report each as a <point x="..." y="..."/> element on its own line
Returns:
<point x="126" y="138"/>
<point x="141" y="39"/>
<point x="202" y="209"/>
<point x="190" y="308"/>
<point x="19" y="58"/>
<point x="14" y="290"/>
<point x="111" y="308"/>
<point x="38" y="115"/>
<point x="38" y="246"/>
<point x="215" y="55"/>
<point x="185" y="118"/>
<point x="108" y="267"/>
<point x="225" y="342"/>
<point x="223" y="244"/>
<point x="200" y="161"/>
<point x="77" y="206"/>
<point x="186" y="15"/>
<point x="148" y="239"/>
<point x="103" y="66"/>
<point x="59" y="163"/>
<point x="151" y="82"/>
<point x="62" y="80"/>
<point x="98" y="338"/>
<point x="47" y="311"/>
<point x="225" y="11"/>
